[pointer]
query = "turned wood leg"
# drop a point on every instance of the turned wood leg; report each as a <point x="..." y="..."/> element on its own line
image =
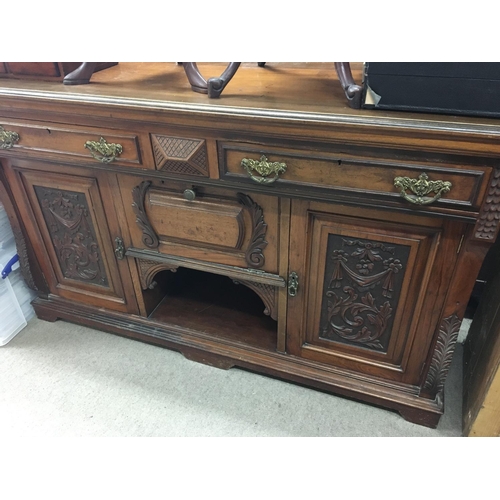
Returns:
<point x="80" y="75"/>
<point x="351" y="89"/>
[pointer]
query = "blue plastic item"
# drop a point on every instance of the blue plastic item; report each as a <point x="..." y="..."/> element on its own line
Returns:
<point x="8" y="267"/>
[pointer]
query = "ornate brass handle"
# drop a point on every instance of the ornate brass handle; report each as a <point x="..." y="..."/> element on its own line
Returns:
<point x="268" y="171"/>
<point x="7" y="138"/>
<point x="420" y="188"/>
<point x="103" y="151"/>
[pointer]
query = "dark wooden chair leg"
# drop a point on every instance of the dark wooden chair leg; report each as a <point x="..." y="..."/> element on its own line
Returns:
<point x="196" y="80"/>
<point x="217" y="85"/>
<point x="351" y="89"/>
<point x="214" y="86"/>
<point x="80" y="75"/>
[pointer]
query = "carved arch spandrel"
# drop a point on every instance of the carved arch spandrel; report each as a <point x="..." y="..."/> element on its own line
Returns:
<point x="149" y="268"/>
<point x="268" y="294"/>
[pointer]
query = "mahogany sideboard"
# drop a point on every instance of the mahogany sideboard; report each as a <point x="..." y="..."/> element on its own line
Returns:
<point x="274" y="229"/>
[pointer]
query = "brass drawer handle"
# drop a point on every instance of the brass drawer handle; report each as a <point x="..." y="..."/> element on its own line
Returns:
<point x="103" y="151"/>
<point x="420" y="188"/>
<point x="7" y="138"/>
<point x="268" y="171"/>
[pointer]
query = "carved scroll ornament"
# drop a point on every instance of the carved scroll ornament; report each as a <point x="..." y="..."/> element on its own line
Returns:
<point x="254" y="254"/>
<point x="149" y="236"/>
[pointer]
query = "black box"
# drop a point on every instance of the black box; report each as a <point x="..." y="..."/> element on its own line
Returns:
<point x="450" y="88"/>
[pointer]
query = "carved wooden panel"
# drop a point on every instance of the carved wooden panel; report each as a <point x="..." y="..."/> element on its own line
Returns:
<point x="73" y="235"/>
<point x="362" y="285"/>
<point x="180" y="156"/>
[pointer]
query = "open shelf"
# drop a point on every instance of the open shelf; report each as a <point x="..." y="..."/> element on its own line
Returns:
<point x="214" y="305"/>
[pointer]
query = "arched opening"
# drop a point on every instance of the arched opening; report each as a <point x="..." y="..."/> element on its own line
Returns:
<point x="212" y="304"/>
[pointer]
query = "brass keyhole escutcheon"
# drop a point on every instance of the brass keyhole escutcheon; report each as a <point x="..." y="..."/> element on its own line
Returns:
<point x="293" y="284"/>
<point x="119" y="248"/>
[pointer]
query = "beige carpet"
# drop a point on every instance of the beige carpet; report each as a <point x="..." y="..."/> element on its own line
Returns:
<point x="58" y="379"/>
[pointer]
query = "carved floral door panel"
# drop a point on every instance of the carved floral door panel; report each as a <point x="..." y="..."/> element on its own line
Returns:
<point x="76" y="238"/>
<point x="362" y="285"/>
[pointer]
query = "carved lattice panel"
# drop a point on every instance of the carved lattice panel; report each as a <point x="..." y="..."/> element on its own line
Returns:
<point x="362" y="286"/>
<point x="180" y="156"/>
<point x="73" y="235"/>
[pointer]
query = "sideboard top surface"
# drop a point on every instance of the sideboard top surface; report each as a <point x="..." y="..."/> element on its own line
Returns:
<point x="307" y="91"/>
<point x="291" y="99"/>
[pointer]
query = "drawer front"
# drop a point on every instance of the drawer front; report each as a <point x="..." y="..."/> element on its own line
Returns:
<point x="206" y="224"/>
<point x="95" y="145"/>
<point x="271" y="166"/>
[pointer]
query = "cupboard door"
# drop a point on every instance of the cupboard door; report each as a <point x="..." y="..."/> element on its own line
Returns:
<point x="370" y="290"/>
<point x="78" y="252"/>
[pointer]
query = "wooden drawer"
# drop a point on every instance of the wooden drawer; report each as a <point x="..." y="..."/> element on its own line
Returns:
<point x="354" y="174"/>
<point x="217" y="226"/>
<point x="38" y="139"/>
